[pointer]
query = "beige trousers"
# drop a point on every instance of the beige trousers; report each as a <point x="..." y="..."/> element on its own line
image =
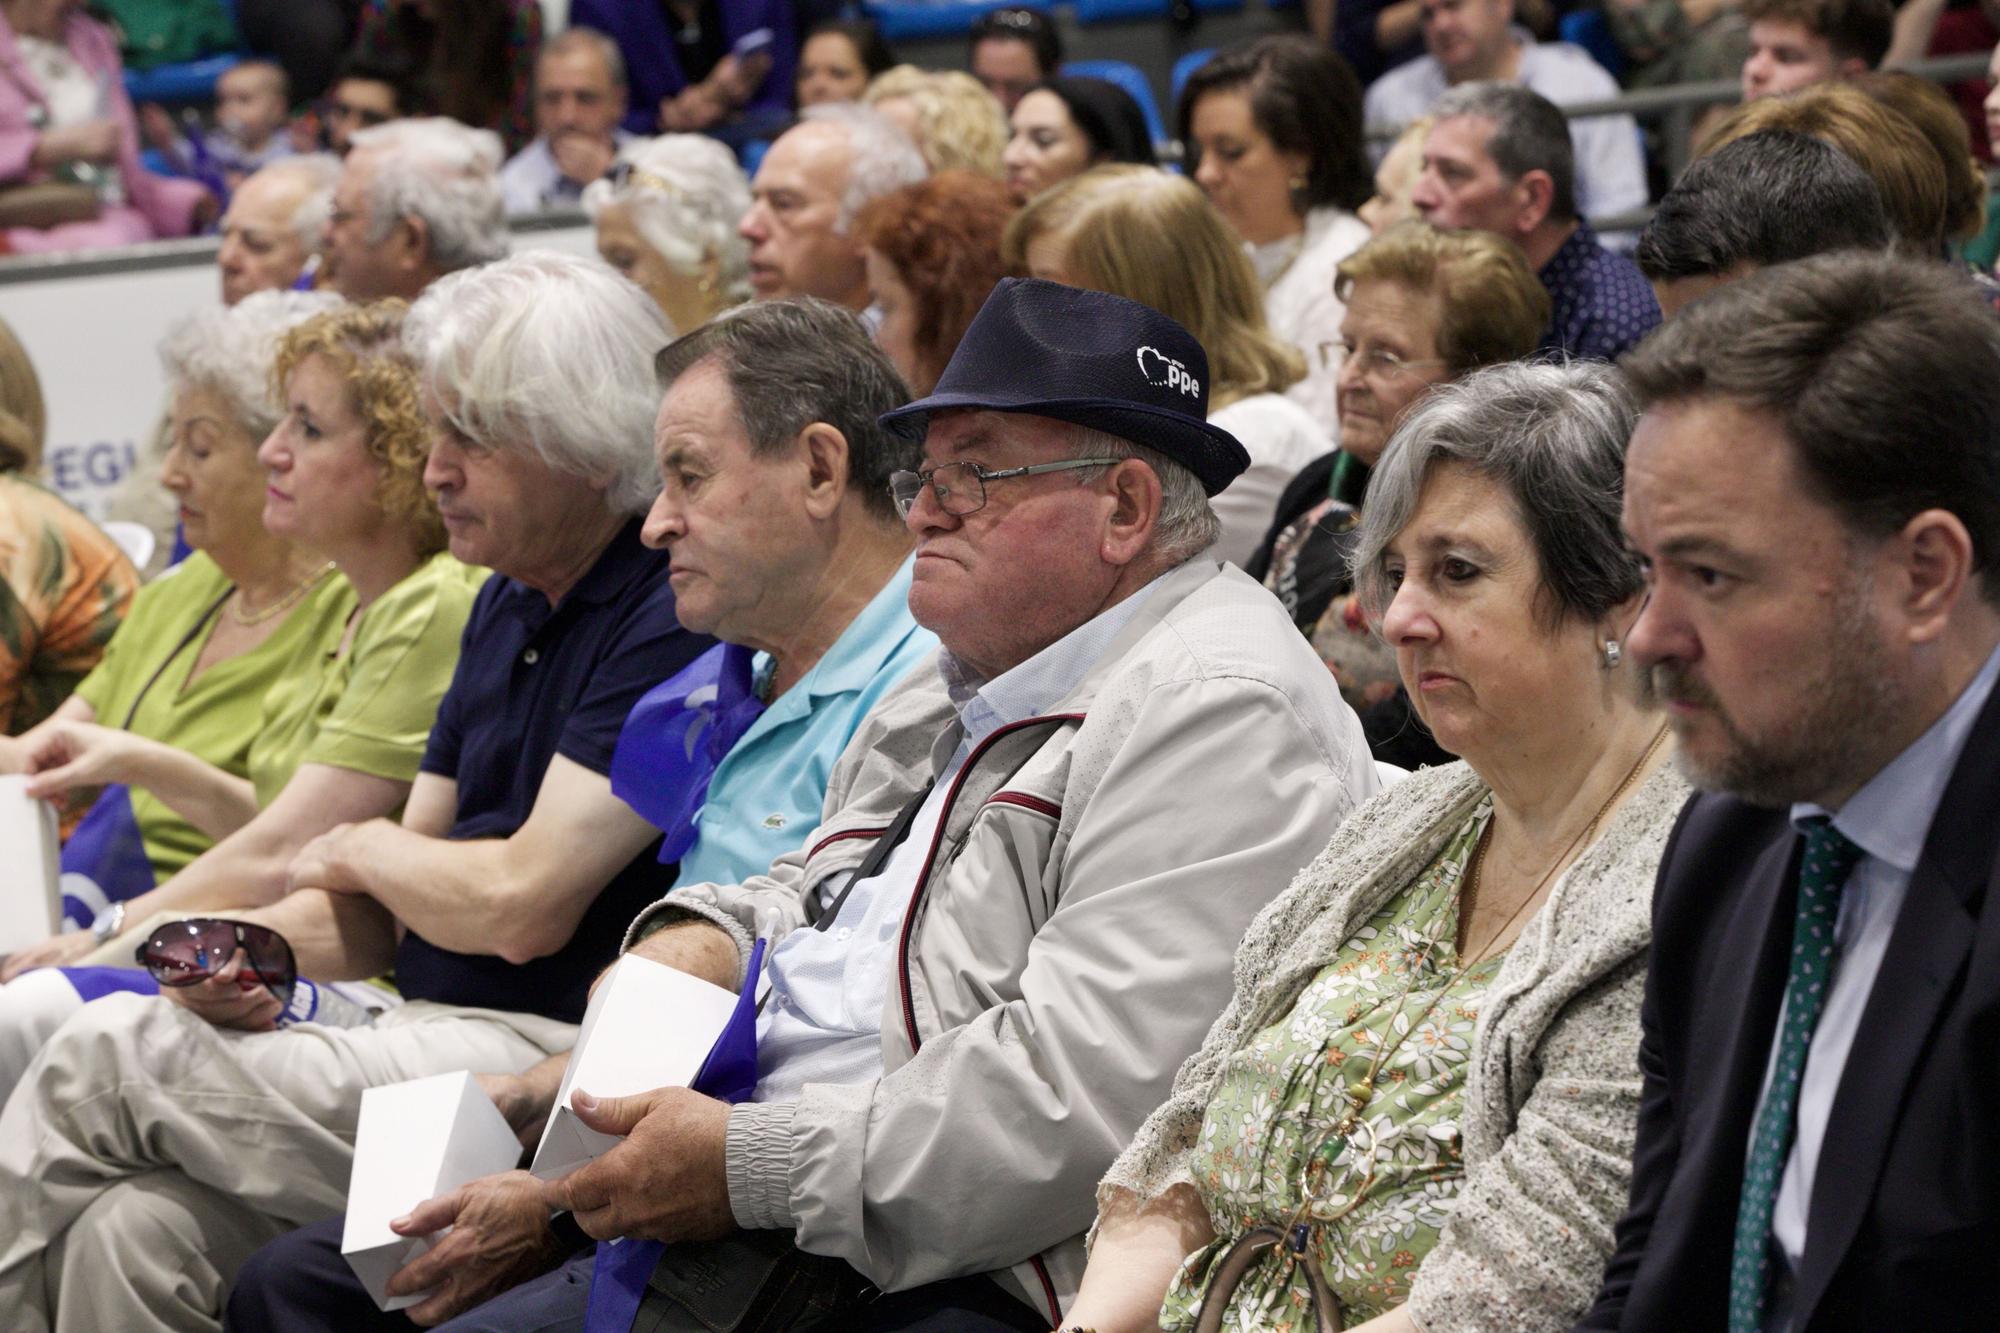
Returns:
<point x="146" y="1154"/>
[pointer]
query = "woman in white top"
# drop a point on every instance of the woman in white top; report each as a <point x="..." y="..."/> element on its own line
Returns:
<point x="1274" y="136"/>
<point x="1151" y="237"/>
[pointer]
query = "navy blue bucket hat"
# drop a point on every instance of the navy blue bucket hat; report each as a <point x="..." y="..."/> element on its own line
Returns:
<point x="1090" y="358"/>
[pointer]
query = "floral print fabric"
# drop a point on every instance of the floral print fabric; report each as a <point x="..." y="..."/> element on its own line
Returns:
<point x="1280" y="1093"/>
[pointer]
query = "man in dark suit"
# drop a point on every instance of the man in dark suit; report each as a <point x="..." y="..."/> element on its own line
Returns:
<point x="1815" y="491"/>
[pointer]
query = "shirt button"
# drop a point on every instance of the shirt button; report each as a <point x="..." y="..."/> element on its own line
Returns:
<point x="842" y="933"/>
<point x="531" y="657"/>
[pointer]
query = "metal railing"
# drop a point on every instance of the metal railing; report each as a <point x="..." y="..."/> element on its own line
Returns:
<point x="1679" y="106"/>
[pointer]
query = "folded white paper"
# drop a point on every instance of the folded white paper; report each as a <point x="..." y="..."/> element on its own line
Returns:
<point x="30" y="861"/>
<point x="648" y="1026"/>
<point x="416" y="1140"/>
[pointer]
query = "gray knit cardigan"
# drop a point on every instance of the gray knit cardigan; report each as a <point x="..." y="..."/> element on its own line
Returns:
<point x="1553" y="1096"/>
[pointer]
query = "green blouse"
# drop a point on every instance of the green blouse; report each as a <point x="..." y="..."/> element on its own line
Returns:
<point x="1280" y="1092"/>
<point x="371" y="708"/>
<point x="142" y="685"/>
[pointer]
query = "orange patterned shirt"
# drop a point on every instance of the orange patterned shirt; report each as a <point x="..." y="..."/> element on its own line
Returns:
<point x="64" y="588"/>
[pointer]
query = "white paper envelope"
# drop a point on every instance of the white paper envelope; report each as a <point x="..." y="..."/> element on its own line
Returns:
<point x="30" y="862"/>
<point x="648" y="1026"/>
<point x="416" y="1140"/>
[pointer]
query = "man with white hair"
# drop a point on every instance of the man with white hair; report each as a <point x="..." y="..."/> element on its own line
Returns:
<point x="417" y="199"/>
<point x="1017" y="915"/>
<point x="580" y="92"/>
<point x="275" y="224"/>
<point x="506" y="886"/>
<point x="808" y="188"/>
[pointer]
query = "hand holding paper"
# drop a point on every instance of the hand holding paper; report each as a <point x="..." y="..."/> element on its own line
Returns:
<point x="665" y="1182"/>
<point x="499" y="1238"/>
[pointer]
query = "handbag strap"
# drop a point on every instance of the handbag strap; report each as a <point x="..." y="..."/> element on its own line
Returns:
<point x="878" y="855"/>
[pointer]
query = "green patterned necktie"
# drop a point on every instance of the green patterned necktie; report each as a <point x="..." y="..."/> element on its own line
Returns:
<point x="1823" y="870"/>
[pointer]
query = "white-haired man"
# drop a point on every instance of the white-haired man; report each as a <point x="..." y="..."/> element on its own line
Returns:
<point x="417" y="199"/>
<point x="1016" y="917"/>
<point x="497" y="899"/>
<point x="808" y="188"/>
<point x="275" y="224"/>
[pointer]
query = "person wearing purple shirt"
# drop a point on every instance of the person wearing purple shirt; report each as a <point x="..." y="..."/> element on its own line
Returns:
<point x="694" y="63"/>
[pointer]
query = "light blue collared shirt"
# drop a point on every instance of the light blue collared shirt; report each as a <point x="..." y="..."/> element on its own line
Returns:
<point x="823" y="1020"/>
<point x="1888" y="819"/>
<point x="767" y="792"/>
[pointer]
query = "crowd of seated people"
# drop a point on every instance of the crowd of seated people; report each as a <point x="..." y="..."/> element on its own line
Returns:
<point x="1276" y="732"/>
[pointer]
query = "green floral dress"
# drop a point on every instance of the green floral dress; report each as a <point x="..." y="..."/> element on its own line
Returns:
<point x="1279" y="1093"/>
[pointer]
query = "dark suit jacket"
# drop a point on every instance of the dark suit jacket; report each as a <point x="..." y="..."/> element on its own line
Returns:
<point x="1903" y="1228"/>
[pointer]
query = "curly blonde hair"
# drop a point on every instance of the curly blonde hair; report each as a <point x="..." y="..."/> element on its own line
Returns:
<point x="364" y="343"/>
<point x="960" y="126"/>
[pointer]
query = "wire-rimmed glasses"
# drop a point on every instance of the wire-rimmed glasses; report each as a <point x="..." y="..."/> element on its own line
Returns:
<point x="960" y="488"/>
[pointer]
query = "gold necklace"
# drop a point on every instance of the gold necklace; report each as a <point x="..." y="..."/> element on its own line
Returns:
<point x="284" y="603"/>
<point x="1470" y="898"/>
<point x="1362" y="1094"/>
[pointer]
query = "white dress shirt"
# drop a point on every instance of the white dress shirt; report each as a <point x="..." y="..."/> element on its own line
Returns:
<point x="822" y="1022"/>
<point x="1888" y="819"/>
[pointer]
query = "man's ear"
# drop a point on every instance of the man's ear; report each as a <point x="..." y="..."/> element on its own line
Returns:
<point x="1534" y="194"/>
<point x="1136" y="495"/>
<point x="413" y="235"/>
<point x="824" y="453"/>
<point x="1934" y="553"/>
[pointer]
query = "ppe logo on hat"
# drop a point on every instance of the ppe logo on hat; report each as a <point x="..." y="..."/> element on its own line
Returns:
<point x="1163" y="372"/>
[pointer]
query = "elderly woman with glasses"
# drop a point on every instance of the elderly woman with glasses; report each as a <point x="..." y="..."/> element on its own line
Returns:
<point x="666" y="218"/>
<point x="1422" y="307"/>
<point x="1418" y="1109"/>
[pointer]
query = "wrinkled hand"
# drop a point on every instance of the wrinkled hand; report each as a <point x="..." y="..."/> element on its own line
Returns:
<point x="666" y="1182"/>
<point x="317" y="864"/>
<point x="56" y="951"/>
<point x="499" y="1238"/>
<point x="92" y="141"/>
<point x="691" y="110"/>
<point x="525" y="1110"/>
<point x="79" y="754"/>
<point x="232" y="998"/>
<point x="582" y="157"/>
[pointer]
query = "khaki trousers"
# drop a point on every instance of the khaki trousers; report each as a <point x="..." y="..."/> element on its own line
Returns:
<point x="146" y="1154"/>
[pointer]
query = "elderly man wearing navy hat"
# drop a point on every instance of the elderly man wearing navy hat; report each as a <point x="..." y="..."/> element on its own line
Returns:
<point x="1017" y="916"/>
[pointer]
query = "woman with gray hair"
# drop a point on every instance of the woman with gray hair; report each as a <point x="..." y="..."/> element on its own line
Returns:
<point x="666" y="218"/>
<point x="1419" y="1107"/>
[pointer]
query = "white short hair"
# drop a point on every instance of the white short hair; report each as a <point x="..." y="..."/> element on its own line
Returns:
<point x="881" y="158"/>
<point x="318" y="173"/>
<point x="229" y="350"/>
<point x="445" y="173"/>
<point x="549" y="353"/>
<point x="685" y="194"/>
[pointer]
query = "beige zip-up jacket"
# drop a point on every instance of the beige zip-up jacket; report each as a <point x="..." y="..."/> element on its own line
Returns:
<point x="1069" y="940"/>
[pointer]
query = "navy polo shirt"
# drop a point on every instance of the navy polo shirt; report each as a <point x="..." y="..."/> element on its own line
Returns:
<point x="535" y="681"/>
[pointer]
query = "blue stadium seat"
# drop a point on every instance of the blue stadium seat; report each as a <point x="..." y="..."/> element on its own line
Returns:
<point x="1589" y="29"/>
<point x="1110" y="11"/>
<point x="1184" y="69"/>
<point x="1221" y="6"/>
<point x="1128" y="77"/>
<point x="189" y="81"/>
<point x="913" y="18"/>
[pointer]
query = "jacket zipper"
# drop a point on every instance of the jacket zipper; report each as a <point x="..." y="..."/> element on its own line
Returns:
<point x="916" y="900"/>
